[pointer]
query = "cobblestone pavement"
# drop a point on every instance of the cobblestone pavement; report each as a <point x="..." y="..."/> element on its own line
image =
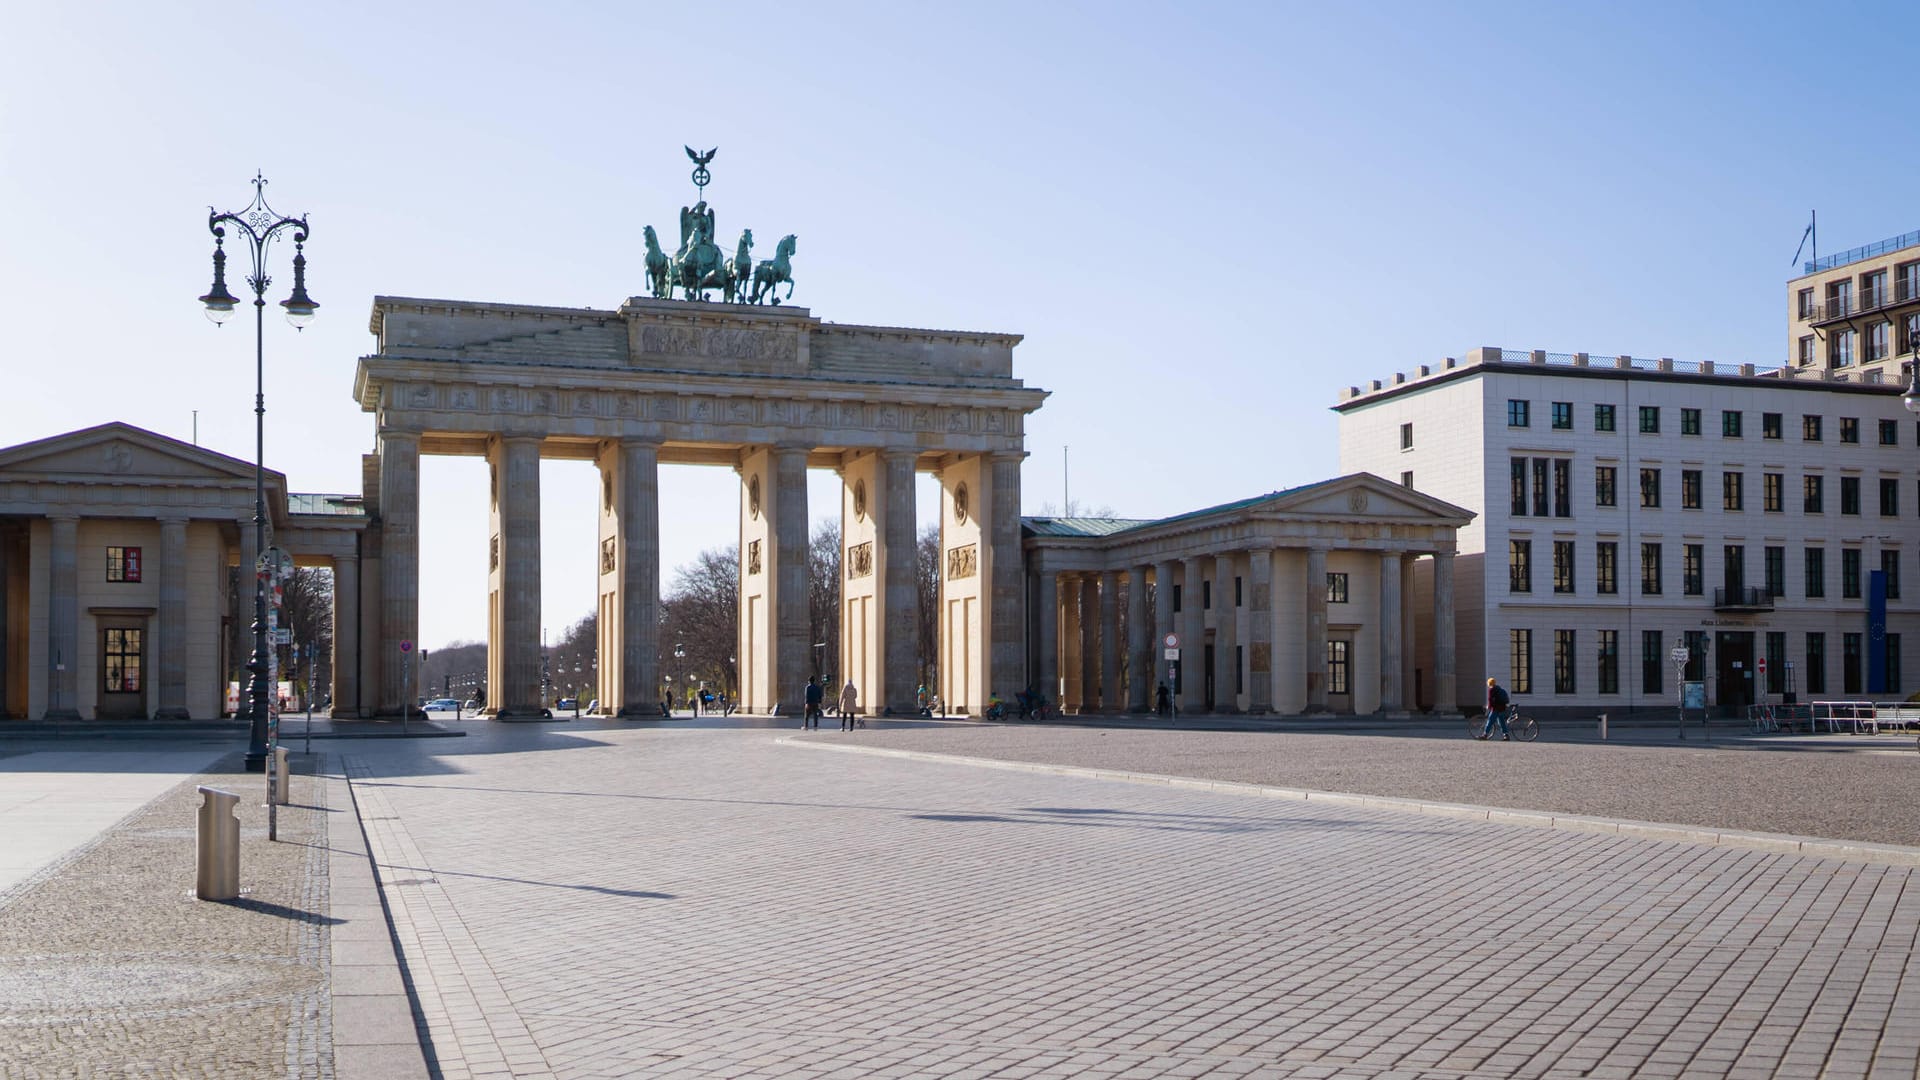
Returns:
<point x="598" y="901"/>
<point x="110" y="967"/>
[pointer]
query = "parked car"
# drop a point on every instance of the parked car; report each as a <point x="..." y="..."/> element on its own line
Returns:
<point x="445" y="704"/>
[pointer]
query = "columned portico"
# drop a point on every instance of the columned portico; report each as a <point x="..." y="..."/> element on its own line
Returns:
<point x="1048" y="619"/>
<point x="172" y="680"/>
<point x="1139" y="642"/>
<point x="1073" y="637"/>
<point x="1193" y="637"/>
<point x="1092" y="638"/>
<point x="1110" y="686"/>
<point x="1226" y="634"/>
<point x="1260" y="631"/>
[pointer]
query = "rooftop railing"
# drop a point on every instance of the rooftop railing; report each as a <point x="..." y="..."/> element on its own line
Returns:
<point x="1904" y="240"/>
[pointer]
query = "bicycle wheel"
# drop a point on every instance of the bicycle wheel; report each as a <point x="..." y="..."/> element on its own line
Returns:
<point x="1525" y="728"/>
<point x="1476" y="725"/>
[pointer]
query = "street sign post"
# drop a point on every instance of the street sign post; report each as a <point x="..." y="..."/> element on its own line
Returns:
<point x="1680" y="655"/>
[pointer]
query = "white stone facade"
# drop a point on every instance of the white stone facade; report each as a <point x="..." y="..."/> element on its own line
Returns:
<point x="1735" y="452"/>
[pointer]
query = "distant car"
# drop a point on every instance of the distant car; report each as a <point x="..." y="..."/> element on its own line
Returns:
<point x="567" y="703"/>
<point x="473" y="705"/>
<point x="445" y="704"/>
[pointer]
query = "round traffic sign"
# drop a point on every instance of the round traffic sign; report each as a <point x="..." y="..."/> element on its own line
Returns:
<point x="1763" y="665"/>
<point x="406" y="646"/>
<point x="1173" y="641"/>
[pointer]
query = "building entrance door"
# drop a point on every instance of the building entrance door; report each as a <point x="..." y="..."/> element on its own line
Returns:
<point x="1340" y="673"/>
<point x="1209" y="678"/>
<point x="1733" y="674"/>
<point x="123" y="671"/>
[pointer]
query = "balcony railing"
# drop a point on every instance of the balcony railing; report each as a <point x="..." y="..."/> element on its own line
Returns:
<point x="1867" y="301"/>
<point x="1742" y="599"/>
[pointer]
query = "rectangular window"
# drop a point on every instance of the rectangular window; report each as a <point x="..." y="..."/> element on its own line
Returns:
<point x="1689" y="421"/>
<point x="1849" y="573"/>
<point x="1406" y="478"/>
<point x="123" y="661"/>
<point x="1773" y="492"/>
<point x="1806" y="304"/>
<point x="1603" y="418"/>
<point x="1562" y="488"/>
<point x="1563" y="566"/>
<point x="1730" y="420"/>
<point x="1603" y="484"/>
<point x="1849" y="429"/>
<point x="1693" y="560"/>
<point x="1650" y="569"/>
<point x="1337" y="588"/>
<point x="1516" y="414"/>
<point x="1850" y="495"/>
<point x="1890" y="567"/>
<point x="1539" y="487"/>
<point x="1176" y="597"/>
<point x="1406" y="436"/>
<point x="1520" y="566"/>
<point x="1649" y="419"/>
<point x="1889" y="433"/>
<point x="1770" y="425"/>
<point x="1733" y="491"/>
<point x="1850" y="663"/>
<point x="1650" y="488"/>
<point x="1892" y="642"/>
<point x="1816" y="572"/>
<point x="1889" y="497"/>
<point x="1813" y="495"/>
<point x="1606" y="567"/>
<point x="1776" y="662"/>
<point x="1689" y="489"/>
<point x="1696" y="643"/>
<point x="1810" y="428"/>
<point x="1878" y="336"/>
<point x="1563" y="662"/>
<point x="1206" y="596"/>
<point x="123" y="564"/>
<point x="1873" y="289"/>
<point x="1239" y="595"/>
<point x="1776" y="571"/>
<point x="1339" y="667"/>
<point x="1520" y="661"/>
<point x="1609" y="661"/>
<point x="1906" y="282"/>
<point x="1808" y="353"/>
<point x="1840" y="348"/>
<point x="1563" y="416"/>
<point x="1816" y="674"/>
<point x="1517" y="471"/>
<point x="1653" y="661"/>
<point x="1734" y="570"/>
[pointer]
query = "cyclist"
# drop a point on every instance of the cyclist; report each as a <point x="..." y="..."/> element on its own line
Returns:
<point x="996" y="708"/>
<point x="1499" y="707"/>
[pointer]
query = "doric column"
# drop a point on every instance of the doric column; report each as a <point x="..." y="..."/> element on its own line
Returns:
<point x="1260" y="631"/>
<point x="1409" y="636"/>
<point x="63" y="618"/>
<point x="172" y="682"/>
<point x="791" y="649"/>
<point x="1226" y="634"/>
<point x="1110" y="689"/>
<point x="900" y="595"/>
<point x="519" y="478"/>
<point x="399" y="567"/>
<point x="346" y="635"/>
<point x="639" y="571"/>
<point x="1092" y="635"/>
<point x="1445" y="693"/>
<point x="1392" y="697"/>
<point x="1163" y="624"/>
<point x="1073" y="651"/>
<point x="1139" y="643"/>
<point x="1314" y="660"/>
<point x="1007" y="668"/>
<point x="1047" y="612"/>
<point x="1193" y="638"/>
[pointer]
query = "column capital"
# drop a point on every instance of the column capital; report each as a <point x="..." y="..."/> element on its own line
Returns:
<point x="76" y="517"/>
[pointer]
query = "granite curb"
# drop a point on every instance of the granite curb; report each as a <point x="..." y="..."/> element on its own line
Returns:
<point x="1782" y="843"/>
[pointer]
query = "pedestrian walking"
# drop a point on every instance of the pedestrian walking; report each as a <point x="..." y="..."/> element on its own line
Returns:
<point x="810" y="717"/>
<point x="849" y="701"/>
<point x="1160" y="699"/>
<point x="1497" y="708"/>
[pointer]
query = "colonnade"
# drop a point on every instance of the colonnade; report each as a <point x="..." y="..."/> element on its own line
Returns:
<point x="1263" y="610"/>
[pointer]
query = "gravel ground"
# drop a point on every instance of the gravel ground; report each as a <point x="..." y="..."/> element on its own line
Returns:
<point x="1811" y="790"/>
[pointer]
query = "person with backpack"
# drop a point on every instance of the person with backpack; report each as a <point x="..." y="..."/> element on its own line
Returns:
<point x="1498" y="707"/>
<point x="811" y="718"/>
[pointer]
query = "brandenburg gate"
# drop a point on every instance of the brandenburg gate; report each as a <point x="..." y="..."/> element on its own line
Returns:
<point x="769" y="391"/>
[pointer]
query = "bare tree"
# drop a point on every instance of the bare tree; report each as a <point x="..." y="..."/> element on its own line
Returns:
<point x="823" y="597"/>
<point x="926" y="579"/>
<point x="700" y="616"/>
<point x="307" y="607"/>
<point x="1076" y="508"/>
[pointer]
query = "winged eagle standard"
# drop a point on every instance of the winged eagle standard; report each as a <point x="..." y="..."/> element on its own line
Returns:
<point x="698" y="266"/>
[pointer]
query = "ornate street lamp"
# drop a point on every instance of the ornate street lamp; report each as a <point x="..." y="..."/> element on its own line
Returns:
<point x="1911" y="399"/>
<point x="258" y="225"/>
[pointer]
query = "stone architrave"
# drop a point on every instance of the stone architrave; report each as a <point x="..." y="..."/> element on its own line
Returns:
<point x="1139" y="643"/>
<point x="172" y="674"/>
<point x="63" y="617"/>
<point x="399" y="569"/>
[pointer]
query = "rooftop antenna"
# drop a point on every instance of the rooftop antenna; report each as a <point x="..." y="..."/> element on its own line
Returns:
<point x="1066" y="504"/>
<point x="196" y="427"/>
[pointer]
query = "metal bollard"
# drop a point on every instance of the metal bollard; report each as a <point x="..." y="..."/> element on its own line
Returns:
<point x="1603" y="727"/>
<point x="283" y="785"/>
<point x="219" y="871"/>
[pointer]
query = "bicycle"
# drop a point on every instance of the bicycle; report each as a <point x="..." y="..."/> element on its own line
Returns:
<point x="996" y="711"/>
<point x="1524" y="728"/>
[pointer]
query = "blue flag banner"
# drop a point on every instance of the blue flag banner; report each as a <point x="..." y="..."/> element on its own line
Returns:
<point x="1877" y="632"/>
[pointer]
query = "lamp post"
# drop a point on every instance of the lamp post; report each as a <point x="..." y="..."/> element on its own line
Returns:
<point x="679" y="656"/>
<point x="258" y="224"/>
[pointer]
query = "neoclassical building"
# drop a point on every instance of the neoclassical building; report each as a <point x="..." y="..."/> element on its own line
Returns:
<point x="119" y="596"/>
<point x="1297" y="601"/>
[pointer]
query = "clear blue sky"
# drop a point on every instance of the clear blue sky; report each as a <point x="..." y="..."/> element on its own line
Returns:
<point x="1206" y="219"/>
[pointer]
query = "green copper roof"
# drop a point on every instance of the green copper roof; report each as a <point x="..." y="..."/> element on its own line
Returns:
<point x="337" y="505"/>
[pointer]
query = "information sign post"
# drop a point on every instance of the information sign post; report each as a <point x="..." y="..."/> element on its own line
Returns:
<point x="1680" y="655"/>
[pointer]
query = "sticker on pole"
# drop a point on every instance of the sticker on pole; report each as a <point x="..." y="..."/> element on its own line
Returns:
<point x="1173" y="641"/>
<point x="1173" y="654"/>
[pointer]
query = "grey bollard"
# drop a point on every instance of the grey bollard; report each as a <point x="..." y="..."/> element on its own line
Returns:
<point x="284" y="788"/>
<point x="219" y="871"/>
<point x="1603" y="727"/>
